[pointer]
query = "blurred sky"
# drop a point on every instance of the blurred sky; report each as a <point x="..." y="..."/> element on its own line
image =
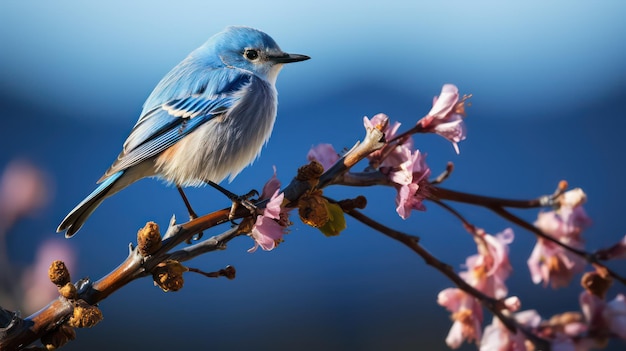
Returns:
<point x="548" y="80"/>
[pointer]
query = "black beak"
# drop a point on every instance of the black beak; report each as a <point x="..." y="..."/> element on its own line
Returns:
<point x="288" y="58"/>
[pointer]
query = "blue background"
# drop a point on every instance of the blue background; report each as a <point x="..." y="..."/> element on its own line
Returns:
<point x="549" y="87"/>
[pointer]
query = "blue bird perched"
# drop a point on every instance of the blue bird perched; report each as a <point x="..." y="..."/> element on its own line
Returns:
<point x="207" y="119"/>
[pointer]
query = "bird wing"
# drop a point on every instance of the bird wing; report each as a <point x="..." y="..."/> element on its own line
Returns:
<point x="164" y="125"/>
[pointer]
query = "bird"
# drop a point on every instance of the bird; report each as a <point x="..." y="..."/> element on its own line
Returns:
<point x="207" y="119"/>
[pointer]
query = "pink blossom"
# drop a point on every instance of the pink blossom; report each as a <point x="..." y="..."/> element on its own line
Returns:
<point x="602" y="316"/>
<point x="593" y="309"/>
<point x="569" y="220"/>
<point x="550" y="262"/>
<point x="615" y="315"/>
<point x="487" y="270"/>
<point x="270" y="226"/>
<point x="406" y="169"/>
<point x="402" y="164"/>
<point x="409" y="198"/>
<point x="497" y="336"/>
<point x="565" y="225"/>
<point x="382" y="119"/>
<point x="466" y="313"/>
<point x="409" y="173"/>
<point x="324" y="154"/>
<point x="266" y="231"/>
<point x="446" y="116"/>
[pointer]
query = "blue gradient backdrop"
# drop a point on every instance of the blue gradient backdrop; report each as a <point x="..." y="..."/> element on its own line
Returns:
<point x="549" y="86"/>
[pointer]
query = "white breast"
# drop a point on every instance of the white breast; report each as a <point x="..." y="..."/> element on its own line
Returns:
<point x="226" y="144"/>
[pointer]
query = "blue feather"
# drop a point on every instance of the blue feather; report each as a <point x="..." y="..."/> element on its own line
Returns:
<point x="163" y="126"/>
<point x="75" y="219"/>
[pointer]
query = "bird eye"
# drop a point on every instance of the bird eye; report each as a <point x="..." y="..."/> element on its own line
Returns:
<point x="251" y="54"/>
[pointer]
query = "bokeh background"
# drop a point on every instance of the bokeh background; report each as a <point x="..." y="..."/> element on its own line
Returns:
<point x="548" y="81"/>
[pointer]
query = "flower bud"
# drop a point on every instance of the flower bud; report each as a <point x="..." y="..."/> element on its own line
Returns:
<point x="229" y="272"/>
<point x="68" y="291"/>
<point x="310" y="172"/>
<point x="58" y="273"/>
<point x="149" y="239"/>
<point x="85" y="315"/>
<point x="168" y="275"/>
<point x="313" y="210"/>
<point x="596" y="284"/>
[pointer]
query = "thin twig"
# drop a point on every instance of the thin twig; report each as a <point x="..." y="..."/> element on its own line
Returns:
<point x="469" y="226"/>
<point x="493" y="305"/>
<point x="590" y="258"/>
<point x="486" y="201"/>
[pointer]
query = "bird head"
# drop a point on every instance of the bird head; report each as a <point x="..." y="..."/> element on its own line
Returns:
<point x="252" y="50"/>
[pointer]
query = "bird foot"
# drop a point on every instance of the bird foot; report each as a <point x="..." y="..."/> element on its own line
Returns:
<point x="192" y="214"/>
<point x="243" y="200"/>
<point x="238" y="200"/>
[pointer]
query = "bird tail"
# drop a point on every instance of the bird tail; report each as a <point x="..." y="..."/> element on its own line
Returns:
<point x="77" y="217"/>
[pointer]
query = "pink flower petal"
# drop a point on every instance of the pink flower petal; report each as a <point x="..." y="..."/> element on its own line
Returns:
<point x="443" y="104"/>
<point x="446" y="116"/>
<point x="615" y="315"/>
<point x="272" y="185"/>
<point x="324" y="154"/>
<point x="266" y="230"/>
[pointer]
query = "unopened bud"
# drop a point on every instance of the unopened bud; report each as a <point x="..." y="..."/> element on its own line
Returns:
<point x="229" y="272"/>
<point x="58" y="273"/>
<point x="596" y="284"/>
<point x="149" y="239"/>
<point x="313" y="210"/>
<point x="85" y="315"/>
<point x="68" y="291"/>
<point x="310" y="172"/>
<point x="168" y="275"/>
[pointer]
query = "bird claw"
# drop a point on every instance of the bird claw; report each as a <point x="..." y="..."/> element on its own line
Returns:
<point x="243" y="200"/>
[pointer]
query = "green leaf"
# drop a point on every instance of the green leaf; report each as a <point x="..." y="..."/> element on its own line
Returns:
<point x="336" y="221"/>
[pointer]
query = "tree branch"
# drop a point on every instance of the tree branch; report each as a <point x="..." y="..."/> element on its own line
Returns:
<point x="458" y="196"/>
<point x="590" y="258"/>
<point x="137" y="265"/>
<point x="493" y="305"/>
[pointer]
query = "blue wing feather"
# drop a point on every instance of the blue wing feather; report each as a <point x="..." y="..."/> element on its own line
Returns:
<point x="161" y="141"/>
<point x="165" y="124"/>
